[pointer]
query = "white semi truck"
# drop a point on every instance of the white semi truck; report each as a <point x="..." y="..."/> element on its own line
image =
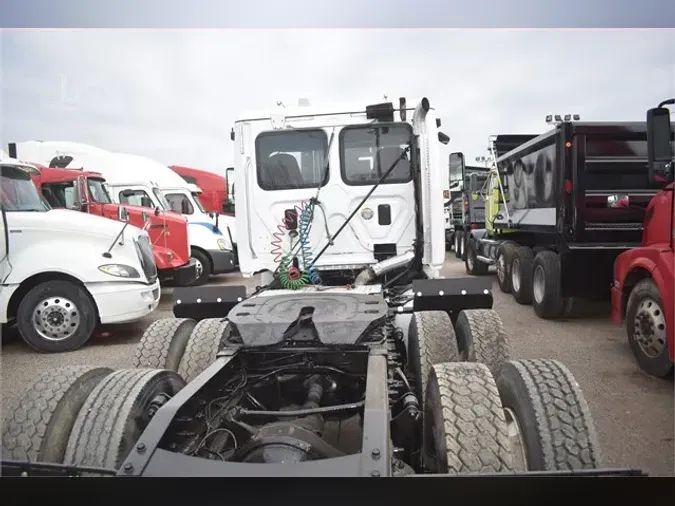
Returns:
<point x="62" y="272"/>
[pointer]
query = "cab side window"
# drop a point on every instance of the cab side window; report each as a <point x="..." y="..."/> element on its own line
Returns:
<point x="179" y="203"/>
<point x="135" y="198"/>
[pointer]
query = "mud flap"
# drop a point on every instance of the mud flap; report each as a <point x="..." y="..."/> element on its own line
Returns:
<point x="452" y="294"/>
<point x="201" y="302"/>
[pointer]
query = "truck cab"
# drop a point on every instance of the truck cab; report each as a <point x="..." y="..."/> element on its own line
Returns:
<point x="87" y="192"/>
<point x="304" y="172"/>
<point x="643" y="291"/>
<point x="63" y="272"/>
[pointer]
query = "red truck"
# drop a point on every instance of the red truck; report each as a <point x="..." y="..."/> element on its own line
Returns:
<point x="643" y="291"/>
<point x="213" y="186"/>
<point x="85" y="191"/>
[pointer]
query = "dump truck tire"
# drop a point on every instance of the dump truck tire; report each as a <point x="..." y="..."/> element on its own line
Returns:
<point x="503" y="263"/>
<point x="481" y="338"/>
<point x="163" y="343"/>
<point x="547" y="299"/>
<point x="521" y="275"/>
<point x="554" y="423"/>
<point x="207" y="338"/>
<point x="464" y="427"/>
<point x="458" y="244"/>
<point x="472" y="265"/>
<point x="115" y="414"/>
<point x="38" y="426"/>
<point x="431" y="340"/>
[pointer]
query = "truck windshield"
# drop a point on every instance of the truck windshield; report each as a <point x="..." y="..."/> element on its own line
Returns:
<point x="367" y="152"/>
<point x="17" y="191"/>
<point x="98" y="191"/>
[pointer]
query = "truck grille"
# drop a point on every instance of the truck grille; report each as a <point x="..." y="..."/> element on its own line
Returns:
<point x="147" y="258"/>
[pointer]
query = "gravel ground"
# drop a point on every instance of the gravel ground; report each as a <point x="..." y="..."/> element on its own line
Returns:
<point x="633" y="412"/>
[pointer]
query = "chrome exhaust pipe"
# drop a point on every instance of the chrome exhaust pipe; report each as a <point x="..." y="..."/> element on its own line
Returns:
<point x="376" y="270"/>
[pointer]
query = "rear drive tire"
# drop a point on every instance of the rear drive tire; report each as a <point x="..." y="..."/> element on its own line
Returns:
<point x="481" y="338"/>
<point x="208" y="337"/>
<point x="458" y="243"/>
<point x="56" y="316"/>
<point x="547" y="299"/>
<point x="521" y="275"/>
<point x="464" y="427"/>
<point x="38" y="426"/>
<point x="163" y="343"/>
<point x="115" y="414"/>
<point x="431" y="340"/>
<point x="550" y="424"/>
<point x="646" y="329"/>
<point x="204" y="267"/>
<point x="503" y="263"/>
<point x="472" y="265"/>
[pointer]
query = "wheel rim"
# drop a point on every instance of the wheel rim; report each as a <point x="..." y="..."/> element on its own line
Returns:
<point x="650" y="328"/>
<point x="56" y="318"/>
<point x="515" y="275"/>
<point x="501" y="269"/>
<point x="539" y="284"/>
<point x="469" y="261"/>
<point x="198" y="267"/>
<point x="456" y="243"/>
<point x="461" y="247"/>
<point x="515" y="434"/>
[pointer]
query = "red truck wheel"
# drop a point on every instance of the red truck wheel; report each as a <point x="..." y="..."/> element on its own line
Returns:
<point x="646" y="329"/>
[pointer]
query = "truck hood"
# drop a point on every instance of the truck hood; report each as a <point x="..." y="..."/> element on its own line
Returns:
<point x="65" y="220"/>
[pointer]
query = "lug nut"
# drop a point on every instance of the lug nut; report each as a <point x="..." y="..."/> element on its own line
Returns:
<point x="128" y="468"/>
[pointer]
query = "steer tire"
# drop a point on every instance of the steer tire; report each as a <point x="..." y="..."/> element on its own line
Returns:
<point x="521" y="269"/>
<point x="472" y="265"/>
<point x="555" y="424"/>
<point x="208" y="337"/>
<point x="69" y="301"/>
<point x="464" y="427"/>
<point x="37" y="427"/>
<point x="431" y="340"/>
<point x="646" y="294"/>
<point x="115" y="414"/>
<point x="163" y="343"/>
<point x="481" y="338"/>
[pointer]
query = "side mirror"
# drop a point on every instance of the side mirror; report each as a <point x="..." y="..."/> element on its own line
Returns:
<point x="659" y="152"/>
<point x="457" y="166"/>
<point x="122" y="214"/>
<point x="157" y="211"/>
<point x="618" y="200"/>
<point x="444" y="139"/>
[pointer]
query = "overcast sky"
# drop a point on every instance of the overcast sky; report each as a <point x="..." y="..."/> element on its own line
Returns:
<point x="173" y="95"/>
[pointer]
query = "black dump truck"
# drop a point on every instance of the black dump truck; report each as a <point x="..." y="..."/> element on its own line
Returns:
<point x="467" y="201"/>
<point x="556" y="217"/>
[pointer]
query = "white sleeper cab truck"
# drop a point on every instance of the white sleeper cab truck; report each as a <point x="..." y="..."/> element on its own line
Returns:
<point x="136" y="180"/>
<point x="329" y="190"/>
<point x="62" y="272"/>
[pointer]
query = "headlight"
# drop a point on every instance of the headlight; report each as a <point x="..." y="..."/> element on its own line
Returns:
<point x="222" y="244"/>
<point x="119" y="271"/>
